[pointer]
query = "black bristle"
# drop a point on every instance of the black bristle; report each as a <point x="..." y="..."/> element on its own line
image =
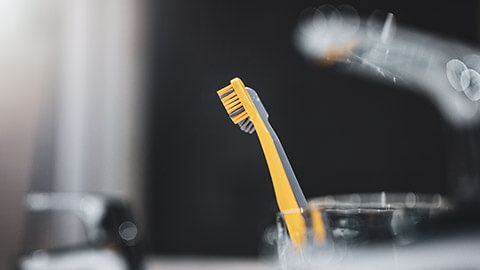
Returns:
<point x="226" y="94"/>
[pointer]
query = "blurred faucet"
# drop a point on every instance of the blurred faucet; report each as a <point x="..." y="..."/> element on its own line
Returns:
<point x="112" y="235"/>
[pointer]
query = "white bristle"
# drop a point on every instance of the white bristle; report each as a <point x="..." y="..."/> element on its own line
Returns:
<point x="246" y="125"/>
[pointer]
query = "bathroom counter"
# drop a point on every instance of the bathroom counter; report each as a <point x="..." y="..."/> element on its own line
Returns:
<point x="204" y="263"/>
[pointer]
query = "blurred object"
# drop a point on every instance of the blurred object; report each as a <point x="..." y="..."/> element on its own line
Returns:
<point x="28" y="52"/>
<point x="112" y="236"/>
<point x="380" y="49"/>
<point x="85" y="259"/>
<point x="97" y="114"/>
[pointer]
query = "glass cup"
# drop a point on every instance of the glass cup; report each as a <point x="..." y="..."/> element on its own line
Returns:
<point x="337" y="226"/>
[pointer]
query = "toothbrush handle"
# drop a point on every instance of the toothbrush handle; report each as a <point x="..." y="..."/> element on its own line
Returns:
<point x="260" y="118"/>
<point x="292" y="179"/>
<point x="284" y="193"/>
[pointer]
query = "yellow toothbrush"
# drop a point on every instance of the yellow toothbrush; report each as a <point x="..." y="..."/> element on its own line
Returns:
<point x="245" y="109"/>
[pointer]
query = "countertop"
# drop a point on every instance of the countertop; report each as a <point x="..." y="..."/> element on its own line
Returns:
<point x="210" y="263"/>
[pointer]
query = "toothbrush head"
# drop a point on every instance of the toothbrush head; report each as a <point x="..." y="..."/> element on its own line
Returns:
<point x="238" y="105"/>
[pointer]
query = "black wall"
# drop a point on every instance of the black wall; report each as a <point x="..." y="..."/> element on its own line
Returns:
<point x="208" y="187"/>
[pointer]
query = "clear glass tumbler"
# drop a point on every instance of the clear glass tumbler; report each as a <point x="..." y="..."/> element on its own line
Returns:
<point x="338" y="225"/>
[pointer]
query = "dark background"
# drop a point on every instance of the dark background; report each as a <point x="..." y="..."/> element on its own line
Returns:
<point x="208" y="188"/>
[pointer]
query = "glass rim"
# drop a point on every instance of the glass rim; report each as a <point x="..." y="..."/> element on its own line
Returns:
<point x="375" y="201"/>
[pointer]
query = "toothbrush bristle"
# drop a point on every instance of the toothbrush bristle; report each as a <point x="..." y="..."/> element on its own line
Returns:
<point x="246" y="125"/>
<point x="235" y="109"/>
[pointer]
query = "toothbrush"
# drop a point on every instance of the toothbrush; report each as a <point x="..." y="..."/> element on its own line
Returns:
<point x="245" y="109"/>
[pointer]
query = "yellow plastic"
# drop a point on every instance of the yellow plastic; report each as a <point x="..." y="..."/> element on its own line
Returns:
<point x="337" y="53"/>
<point x="318" y="225"/>
<point x="283" y="191"/>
